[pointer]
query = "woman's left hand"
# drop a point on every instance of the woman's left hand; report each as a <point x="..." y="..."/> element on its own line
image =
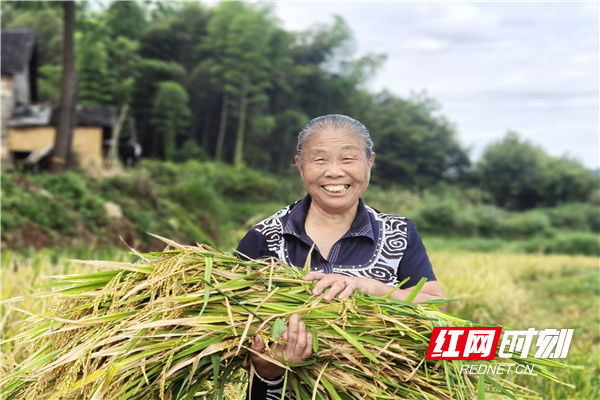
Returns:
<point x="341" y="285"/>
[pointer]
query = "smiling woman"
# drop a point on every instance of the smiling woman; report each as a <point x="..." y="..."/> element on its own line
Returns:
<point x="350" y="245"/>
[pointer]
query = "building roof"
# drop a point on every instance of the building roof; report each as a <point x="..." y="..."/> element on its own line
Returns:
<point x="18" y="45"/>
<point x="96" y="116"/>
<point x="30" y="115"/>
<point x="45" y="115"/>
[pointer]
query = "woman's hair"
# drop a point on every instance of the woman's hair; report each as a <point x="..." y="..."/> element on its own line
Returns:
<point x="335" y="122"/>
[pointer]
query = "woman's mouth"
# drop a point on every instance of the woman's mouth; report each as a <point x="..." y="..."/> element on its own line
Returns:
<point x="335" y="188"/>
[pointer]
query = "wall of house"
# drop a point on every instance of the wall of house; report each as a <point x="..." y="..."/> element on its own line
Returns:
<point x="87" y="142"/>
<point x="21" y="89"/>
<point x="7" y="106"/>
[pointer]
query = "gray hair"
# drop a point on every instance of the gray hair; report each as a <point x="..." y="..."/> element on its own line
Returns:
<point x="337" y="122"/>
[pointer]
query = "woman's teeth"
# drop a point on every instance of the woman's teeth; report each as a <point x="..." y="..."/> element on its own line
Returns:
<point x="336" y="188"/>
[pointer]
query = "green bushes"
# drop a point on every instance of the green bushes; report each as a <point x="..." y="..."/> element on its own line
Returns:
<point x="23" y="202"/>
<point x="439" y="216"/>
<point x="210" y="201"/>
<point x="393" y="200"/>
<point x="73" y="189"/>
<point x="575" y="216"/>
<point x="488" y="219"/>
<point x="522" y="225"/>
<point x="196" y="193"/>
<point x="453" y="216"/>
<point x="236" y="184"/>
<point x="564" y="243"/>
<point x="567" y="229"/>
<point x="118" y="188"/>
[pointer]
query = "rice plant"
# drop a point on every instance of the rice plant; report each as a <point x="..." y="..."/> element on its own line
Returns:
<point x="178" y="324"/>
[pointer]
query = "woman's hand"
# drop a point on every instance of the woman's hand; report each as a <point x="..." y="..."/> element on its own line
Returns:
<point x="296" y="347"/>
<point x="341" y="285"/>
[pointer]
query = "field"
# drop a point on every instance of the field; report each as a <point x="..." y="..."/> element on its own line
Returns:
<point x="516" y="291"/>
<point x="521" y="291"/>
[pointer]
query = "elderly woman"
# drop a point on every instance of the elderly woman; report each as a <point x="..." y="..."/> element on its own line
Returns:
<point x="351" y="245"/>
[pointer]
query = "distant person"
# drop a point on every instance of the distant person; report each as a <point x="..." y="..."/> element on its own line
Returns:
<point x="131" y="152"/>
<point x="351" y="245"/>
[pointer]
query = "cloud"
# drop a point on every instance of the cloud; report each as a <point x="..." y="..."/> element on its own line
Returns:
<point x="530" y="67"/>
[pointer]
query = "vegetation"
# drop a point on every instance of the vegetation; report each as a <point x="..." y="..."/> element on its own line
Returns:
<point x="217" y="203"/>
<point x="523" y="291"/>
<point x="530" y="222"/>
<point x="521" y="176"/>
<point x="226" y="82"/>
<point x="112" y="331"/>
<point x="517" y="291"/>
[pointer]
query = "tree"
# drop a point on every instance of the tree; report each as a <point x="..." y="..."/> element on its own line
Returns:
<point x="238" y="43"/>
<point x="170" y="116"/>
<point x="126" y="19"/>
<point x="169" y="51"/>
<point x="125" y="69"/>
<point x="48" y="26"/>
<point x="567" y="180"/>
<point x="95" y="84"/>
<point x="414" y="147"/>
<point x="144" y="93"/>
<point x="249" y="41"/>
<point x="520" y="175"/>
<point x="66" y="111"/>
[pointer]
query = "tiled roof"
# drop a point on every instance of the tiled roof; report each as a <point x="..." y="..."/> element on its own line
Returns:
<point x="43" y="115"/>
<point x="17" y="49"/>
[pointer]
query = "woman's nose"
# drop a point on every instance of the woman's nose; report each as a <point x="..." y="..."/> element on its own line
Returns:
<point x="334" y="170"/>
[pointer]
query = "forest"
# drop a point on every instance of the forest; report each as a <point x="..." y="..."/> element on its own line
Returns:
<point x="227" y="83"/>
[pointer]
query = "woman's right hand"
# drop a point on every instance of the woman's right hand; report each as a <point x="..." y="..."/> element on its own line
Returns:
<point x="296" y="347"/>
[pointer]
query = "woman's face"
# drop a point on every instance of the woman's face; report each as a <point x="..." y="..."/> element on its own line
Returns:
<point x="335" y="170"/>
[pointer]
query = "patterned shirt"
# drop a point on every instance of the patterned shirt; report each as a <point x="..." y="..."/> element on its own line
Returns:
<point x="377" y="245"/>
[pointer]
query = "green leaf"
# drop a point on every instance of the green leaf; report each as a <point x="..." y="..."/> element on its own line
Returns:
<point x="216" y="364"/>
<point x="388" y="294"/>
<point x="207" y="274"/>
<point x="416" y="290"/>
<point x="226" y="374"/>
<point x="481" y="388"/>
<point x="315" y="341"/>
<point x="308" y="258"/>
<point x="330" y="388"/>
<point x="278" y="328"/>
<point x="354" y="341"/>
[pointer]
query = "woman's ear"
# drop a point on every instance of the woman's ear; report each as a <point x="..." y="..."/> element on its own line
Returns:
<point x="298" y="165"/>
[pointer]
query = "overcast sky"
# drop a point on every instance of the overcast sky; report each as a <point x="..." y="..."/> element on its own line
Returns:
<point x="528" y="67"/>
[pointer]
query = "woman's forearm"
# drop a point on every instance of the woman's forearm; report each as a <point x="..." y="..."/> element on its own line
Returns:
<point x="430" y="291"/>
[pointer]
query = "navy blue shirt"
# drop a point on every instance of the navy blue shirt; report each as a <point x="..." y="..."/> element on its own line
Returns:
<point x="377" y="245"/>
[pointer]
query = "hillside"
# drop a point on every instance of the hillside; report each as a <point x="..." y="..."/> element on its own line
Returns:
<point x="217" y="203"/>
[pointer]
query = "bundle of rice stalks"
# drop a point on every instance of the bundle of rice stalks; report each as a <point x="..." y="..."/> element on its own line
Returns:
<point x="179" y="325"/>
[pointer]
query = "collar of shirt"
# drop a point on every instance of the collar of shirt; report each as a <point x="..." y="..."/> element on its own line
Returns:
<point x="361" y="226"/>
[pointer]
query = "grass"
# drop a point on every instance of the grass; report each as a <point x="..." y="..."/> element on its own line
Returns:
<point x="189" y="307"/>
<point x="518" y="291"/>
<point x="554" y="242"/>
